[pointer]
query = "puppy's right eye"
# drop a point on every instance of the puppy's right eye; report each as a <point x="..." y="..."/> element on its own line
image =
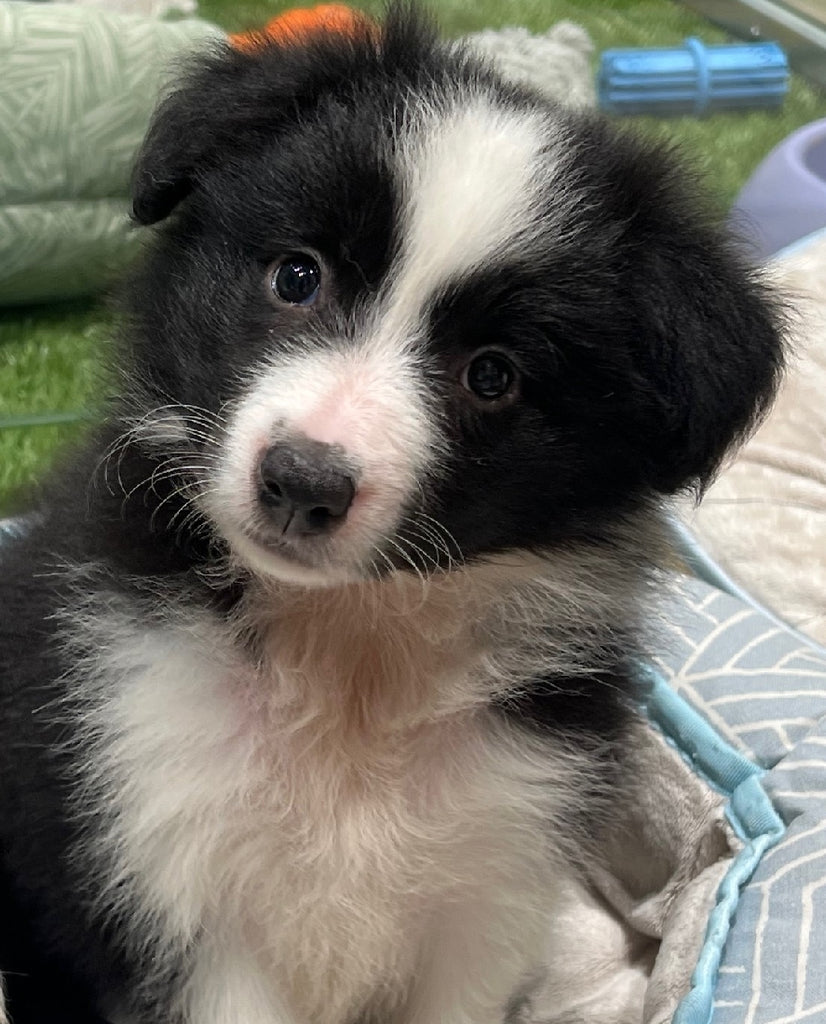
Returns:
<point x="490" y="377"/>
<point x="296" y="280"/>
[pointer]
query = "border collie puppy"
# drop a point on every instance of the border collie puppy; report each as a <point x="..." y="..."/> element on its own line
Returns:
<point x="317" y="662"/>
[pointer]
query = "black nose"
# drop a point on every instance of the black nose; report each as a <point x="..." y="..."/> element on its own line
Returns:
<point x="305" y="485"/>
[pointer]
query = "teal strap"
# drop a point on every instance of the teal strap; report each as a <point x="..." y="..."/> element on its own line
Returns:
<point x="749" y="810"/>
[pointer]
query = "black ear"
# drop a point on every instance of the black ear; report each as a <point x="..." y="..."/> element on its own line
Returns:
<point x="230" y="99"/>
<point x="189" y="130"/>
<point x="707" y="332"/>
<point x="227" y="101"/>
<point x="714" y="353"/>
<point x="167" y="160"/>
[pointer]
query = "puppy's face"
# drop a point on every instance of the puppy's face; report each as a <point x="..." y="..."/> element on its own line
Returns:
<point x="407" y="315"/>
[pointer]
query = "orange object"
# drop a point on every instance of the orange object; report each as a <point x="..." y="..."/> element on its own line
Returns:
<point x="301" y="23"/>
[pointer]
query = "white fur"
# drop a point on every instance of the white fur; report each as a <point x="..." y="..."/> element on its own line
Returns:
<point x="343" y="817"/>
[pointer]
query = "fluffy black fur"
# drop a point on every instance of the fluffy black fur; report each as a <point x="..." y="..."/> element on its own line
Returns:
<point x="651" y="348"/>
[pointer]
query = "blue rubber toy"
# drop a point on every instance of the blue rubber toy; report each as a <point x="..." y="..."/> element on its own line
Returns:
<point x="693" y="78"/>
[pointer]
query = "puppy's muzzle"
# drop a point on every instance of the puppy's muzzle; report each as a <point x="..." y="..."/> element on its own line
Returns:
<point x="305" y="487"/>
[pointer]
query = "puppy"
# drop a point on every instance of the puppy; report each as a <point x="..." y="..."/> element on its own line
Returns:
<point x="317" y="661"/>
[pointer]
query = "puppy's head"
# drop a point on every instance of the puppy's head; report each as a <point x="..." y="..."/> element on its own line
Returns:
<point x="405" y="312"/>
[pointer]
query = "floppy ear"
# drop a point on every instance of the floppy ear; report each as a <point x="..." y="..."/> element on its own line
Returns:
<point x="230" y="98"/>
<point x="706" y="338"/>
<point x="713" y="353"/>
<point x="191" y="127"/>
<point x="167" y="160"/>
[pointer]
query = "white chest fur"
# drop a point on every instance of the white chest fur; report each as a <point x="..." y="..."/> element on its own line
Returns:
<point x="342" y="823"/>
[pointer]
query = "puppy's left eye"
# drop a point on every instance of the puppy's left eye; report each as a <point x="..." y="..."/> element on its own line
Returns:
<point x="296" y="280"/>
<point x="490" y="376"/>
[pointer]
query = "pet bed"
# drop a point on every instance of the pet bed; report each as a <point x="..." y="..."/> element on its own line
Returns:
<point x="712" y="899"/>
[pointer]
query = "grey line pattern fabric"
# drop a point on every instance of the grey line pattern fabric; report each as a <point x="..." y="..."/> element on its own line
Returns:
<point x="764" y="691"/>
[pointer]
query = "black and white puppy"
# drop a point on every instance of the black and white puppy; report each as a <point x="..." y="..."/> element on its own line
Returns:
<point x="317" y="661"/>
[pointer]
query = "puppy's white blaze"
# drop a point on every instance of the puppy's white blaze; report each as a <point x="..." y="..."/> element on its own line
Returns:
<point x="469" y="177"/>
<point x="365" y="398"/>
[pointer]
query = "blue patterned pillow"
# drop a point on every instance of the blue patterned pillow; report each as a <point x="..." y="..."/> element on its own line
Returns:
<point x="763" y="690"/>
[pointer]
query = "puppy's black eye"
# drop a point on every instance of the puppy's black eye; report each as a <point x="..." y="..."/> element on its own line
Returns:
<point x="489" y="376"/>
<point x="296" y="280"/>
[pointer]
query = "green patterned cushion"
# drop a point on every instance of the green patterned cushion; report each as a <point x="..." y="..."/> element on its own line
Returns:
<point x="77" y="88"/>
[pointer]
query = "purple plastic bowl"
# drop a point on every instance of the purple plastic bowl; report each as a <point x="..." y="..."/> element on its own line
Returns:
<point x="785" y="198"/>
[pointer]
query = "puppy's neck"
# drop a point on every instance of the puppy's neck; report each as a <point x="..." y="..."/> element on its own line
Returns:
<point x="383" y="655"/>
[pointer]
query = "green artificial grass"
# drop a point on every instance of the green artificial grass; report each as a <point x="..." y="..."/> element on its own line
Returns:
<point x="48" y="362"/>
<point x="49" y="357"/>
